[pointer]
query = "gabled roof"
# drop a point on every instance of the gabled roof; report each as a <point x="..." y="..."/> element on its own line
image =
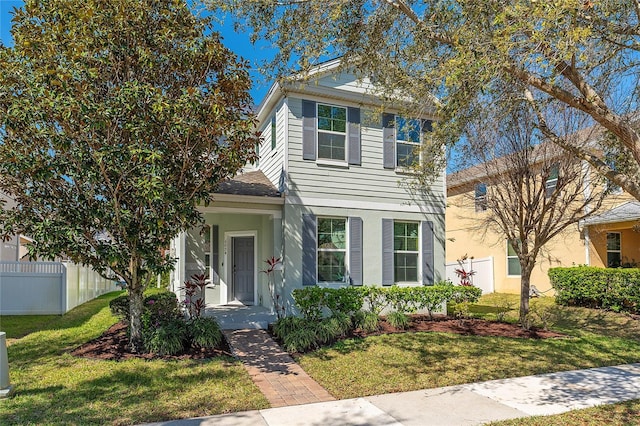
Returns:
<point x="253" y="183"/>
<point x="622" y="213"/>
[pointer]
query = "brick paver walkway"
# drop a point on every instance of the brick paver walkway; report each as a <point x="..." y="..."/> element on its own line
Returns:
<point x="279" y="378"/>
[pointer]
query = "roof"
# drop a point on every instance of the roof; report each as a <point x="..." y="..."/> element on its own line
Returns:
<point x="624" y="212"/>
<point x="253" y="183"/>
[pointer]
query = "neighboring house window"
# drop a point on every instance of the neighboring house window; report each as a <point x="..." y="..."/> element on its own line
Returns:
<point x="332" y="132"/>
<point x="332" y="249"/>
<point x="513" y="263"/>
<point x="273" y="132"/>
<point x="614" y="253"/>
<point x="552" y="180"/>
<point x="405" y="251"/>
<point x="481" y="197"/>
<point x="408" y="139"/>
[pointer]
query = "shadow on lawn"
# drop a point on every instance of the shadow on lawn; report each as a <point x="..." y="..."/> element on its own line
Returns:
<point x="132" y="392"/>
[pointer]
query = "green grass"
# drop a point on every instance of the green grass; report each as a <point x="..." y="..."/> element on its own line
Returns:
<point x="53" y="387"/>
<point x="403" y="362"/>
<point x="622" y="414"/>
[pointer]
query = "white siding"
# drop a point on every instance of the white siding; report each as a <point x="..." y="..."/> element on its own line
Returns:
<point x="272" y="160"/>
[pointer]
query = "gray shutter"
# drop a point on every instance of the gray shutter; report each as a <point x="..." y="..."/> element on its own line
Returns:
<point x="215" y="254"/>
<point x="427" y="253"/>
<point x="387" y="252"/>
<point x="309" y="131"/>
<point x="355" y="250"/>
<point x="427" y="126"/>
<point x="388" y="141"/>
<point x="309" y="247"/>
<point x="354" y="136"/>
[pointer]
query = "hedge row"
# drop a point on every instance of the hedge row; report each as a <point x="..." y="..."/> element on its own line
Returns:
<point x="316" y="302"/>
<point x="607" y="288"/>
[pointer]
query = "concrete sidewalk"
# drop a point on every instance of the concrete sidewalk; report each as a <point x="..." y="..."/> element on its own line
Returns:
<point x="471" y="404"/>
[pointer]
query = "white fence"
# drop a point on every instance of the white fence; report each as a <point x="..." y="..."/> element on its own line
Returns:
<point x="483" y="276"/>
<point x="41" y="288"/>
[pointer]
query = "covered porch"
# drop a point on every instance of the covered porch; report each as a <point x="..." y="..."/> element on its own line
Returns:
<point x="614" y="237"/>
<point x="242" y="228"/>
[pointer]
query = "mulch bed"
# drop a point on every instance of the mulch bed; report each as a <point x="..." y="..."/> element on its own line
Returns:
<point x="469" y="327"/>
<point x="112" y="345"/>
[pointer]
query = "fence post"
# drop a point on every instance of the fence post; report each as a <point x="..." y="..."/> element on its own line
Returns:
<point x="5" y="386"/>
<point x="65" y="289"/>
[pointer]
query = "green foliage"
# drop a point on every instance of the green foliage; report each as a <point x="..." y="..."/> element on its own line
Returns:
<point x="474" y="54"/>
<point x="310" y="301"/>
<point x="607" y="288"/>
<point x="398" y="320"/>
<point x="466" y="294"/>
<point x="111" y="119"/>
<point x="375" y="299"/>
<point x="367" y="321"/>
<point x="287" y="325"/>
<point x="340" y="324"/>
<point x="503" y="305"/>
<point x="346" y="300"/>
<point x="204" y="332"/>
<point x="169" y="338"/>
<point x="120" y="307"/>
<point x="301" y="339"/>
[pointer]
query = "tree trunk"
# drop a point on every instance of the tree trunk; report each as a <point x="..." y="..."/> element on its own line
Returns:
<point x="136" y="301"/>
<point x="525" y="287"/>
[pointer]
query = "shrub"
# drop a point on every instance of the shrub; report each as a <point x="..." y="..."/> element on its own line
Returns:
<point x="374" y="299"/>
<point x="310" y="301"/>
<point x="160" y="308"/>
<point x="287" y="325"/>
<point x="431" y="298"/>
<point x="615" y="289"/>
<point x="367" y="321"/>
<point x="301" y="339"/>
<point x="503" y="305"/>
<point x="168" y="339"/>
<point x="120" y="307"/>
<point x="465" y="294"/>
<point x="204" y="332"/>
<point x="345" y="300"/>
<point x="398" y="320"/>
<point x="340" y="323"/>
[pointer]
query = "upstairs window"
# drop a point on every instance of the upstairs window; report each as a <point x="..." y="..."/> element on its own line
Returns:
<point x="332" y="132"/>
<point x="408" y="139"/>
<point x="405" y="251"/>
<point x="552" y="180"/>
<point x="614" y="252"/>
<point x="332" y="249"/>
<point x="481" y="197"/>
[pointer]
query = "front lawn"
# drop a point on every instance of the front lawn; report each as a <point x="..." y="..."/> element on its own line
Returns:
<point x="403" y="362"/>
<point x="53" y="387"/>
<point x="622" y="414"/>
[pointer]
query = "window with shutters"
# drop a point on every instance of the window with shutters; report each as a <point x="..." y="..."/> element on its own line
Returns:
<point x="406" y="251"/>
<point x="332" y="132"/>
<point x="332" y="249"/>
<point x="408" y="140"/>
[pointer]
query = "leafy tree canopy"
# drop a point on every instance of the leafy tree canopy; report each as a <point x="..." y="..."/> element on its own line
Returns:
<point x="579" y="55"/>
<point x="117" y="117"/>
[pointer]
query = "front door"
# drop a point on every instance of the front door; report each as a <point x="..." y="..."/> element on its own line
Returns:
<point x="243" y="269"/>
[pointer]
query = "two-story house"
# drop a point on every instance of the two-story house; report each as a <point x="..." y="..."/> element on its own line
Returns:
<point x="325" y="197"/>
<point x="609" y="238"/>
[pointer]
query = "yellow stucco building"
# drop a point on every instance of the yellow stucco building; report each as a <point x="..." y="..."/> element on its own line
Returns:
<point x="610" y="238"/>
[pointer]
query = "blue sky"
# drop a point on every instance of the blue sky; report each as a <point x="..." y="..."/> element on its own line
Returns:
<point x="237" y="42"/>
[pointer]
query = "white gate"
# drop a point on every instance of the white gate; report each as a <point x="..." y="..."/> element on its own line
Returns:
<point x="483" y="276"/>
